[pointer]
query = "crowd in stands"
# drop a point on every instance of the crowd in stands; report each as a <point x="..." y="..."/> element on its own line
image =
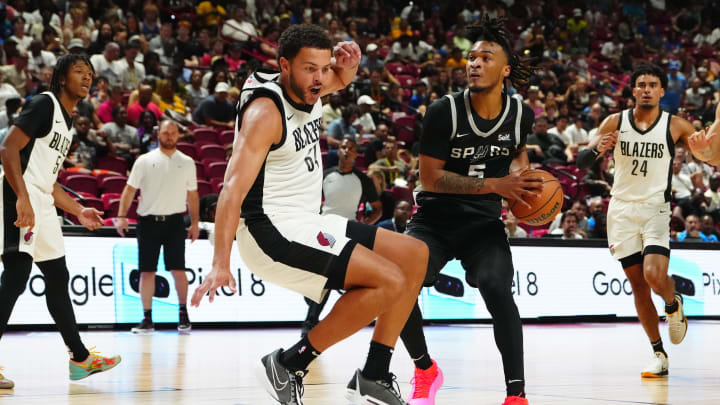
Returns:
<point x="187" y="61"/>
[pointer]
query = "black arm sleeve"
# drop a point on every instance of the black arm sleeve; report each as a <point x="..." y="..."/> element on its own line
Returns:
<point x="36" y="117"/>
<point x="437" y="128"/>
<point x="526" y="125"/>
<point x="585" y="159"/>
<point x="369" y="193"/>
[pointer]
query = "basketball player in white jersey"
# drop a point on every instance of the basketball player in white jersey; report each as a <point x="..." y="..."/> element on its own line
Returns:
<point x="642" y="141"/>
<point x="273" y="190"/>
<point x="32" y="154"/>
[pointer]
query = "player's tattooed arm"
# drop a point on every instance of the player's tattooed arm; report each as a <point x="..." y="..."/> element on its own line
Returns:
<point x="453" y="183"/>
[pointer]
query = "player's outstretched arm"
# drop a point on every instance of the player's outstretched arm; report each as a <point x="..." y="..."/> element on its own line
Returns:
<point x="603" y="142"/>
<point x="347" y="56"/>
<point x="262" y="127"/>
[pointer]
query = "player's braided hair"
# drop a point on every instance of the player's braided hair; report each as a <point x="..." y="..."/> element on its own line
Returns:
<point x="63" y="66"/>
<point x="495" y="30"/>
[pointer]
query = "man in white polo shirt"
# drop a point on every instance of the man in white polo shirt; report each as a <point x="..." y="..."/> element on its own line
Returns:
<point x="167" y="180"/>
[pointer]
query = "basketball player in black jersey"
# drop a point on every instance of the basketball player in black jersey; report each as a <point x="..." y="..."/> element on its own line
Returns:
<point x="472" y="152"/>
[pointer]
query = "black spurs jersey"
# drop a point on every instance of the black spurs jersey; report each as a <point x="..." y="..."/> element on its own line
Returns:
<point x="471" y="146"/>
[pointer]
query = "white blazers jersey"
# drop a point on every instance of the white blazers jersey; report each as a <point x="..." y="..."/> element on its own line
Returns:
<point x="290" y="180"/>
<point x="643" y="160"/>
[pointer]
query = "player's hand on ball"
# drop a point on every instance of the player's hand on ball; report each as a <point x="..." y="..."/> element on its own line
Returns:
<point x="347" y="54"/>
<point x="607" y="141"/>
<point x="90" y="218"/>
<point x="516" y="186"/>
<point x="214" y="280"/>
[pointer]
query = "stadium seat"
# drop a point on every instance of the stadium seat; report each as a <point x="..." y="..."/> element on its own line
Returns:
<point x="113" y="163"/>
<point x="395" y="68"/>
<point x="406" y="80"/>
<point x="204" y="187"/>
<point x="188" y="149"/>
<point x="227" y="136"/>
<point x="113" y="184"/>
<point x="205" y="135"/>
<point x="215" y="169"/>
<point x="107" y="197"/>
<point x="216" y="184"/>
<point x="82" y="182"/>
<point x="215" y="152"/>
<point x="401" y="193"/>
<point x="199" y="170"/>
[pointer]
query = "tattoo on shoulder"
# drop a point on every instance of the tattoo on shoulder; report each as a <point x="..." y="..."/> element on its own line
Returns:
<point x="454" y="183"/>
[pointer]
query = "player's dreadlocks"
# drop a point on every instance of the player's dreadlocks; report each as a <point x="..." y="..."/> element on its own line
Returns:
<point x="495" y="30"/>
<point x="62" y="67"/>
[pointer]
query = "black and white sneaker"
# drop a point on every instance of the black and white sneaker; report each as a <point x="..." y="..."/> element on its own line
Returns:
<point x="184" y="324"/>
<point x="363" y="391"/>
<point x="283" y="384"/>
<point x="145" y="327"/>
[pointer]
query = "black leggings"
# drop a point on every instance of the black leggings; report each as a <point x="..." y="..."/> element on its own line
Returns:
<point x="13" y="281"/>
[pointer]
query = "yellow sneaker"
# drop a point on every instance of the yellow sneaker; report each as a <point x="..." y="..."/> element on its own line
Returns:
<point x="5" y="384"/>
<point x="95" y="363"/>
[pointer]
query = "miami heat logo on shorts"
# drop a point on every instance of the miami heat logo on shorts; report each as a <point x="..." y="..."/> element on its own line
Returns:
<point x="325" y="239"/>
<point x="27" y="238"/>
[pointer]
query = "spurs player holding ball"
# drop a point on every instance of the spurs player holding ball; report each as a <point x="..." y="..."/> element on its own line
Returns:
<point x="642" y="141"/>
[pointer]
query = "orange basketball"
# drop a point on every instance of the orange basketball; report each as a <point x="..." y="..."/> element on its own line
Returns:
<point x="544" y="208"/>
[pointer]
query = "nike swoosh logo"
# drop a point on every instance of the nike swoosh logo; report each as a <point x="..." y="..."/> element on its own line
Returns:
<point x="277" y="384"/>
<point x="57" y="121"/>
<point x="290" y="117"/>
<point x="461" y="135"/>
<point x="512" y="381"/>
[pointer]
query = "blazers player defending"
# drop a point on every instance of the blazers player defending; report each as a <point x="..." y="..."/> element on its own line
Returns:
<point x="471" y="139"/>
<point x="32" y="154"/>
<point x="642" y="141"/>
<point x="273" y="190"/>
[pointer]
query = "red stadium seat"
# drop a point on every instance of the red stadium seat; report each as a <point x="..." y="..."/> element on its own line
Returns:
<point x="188" y="149"/>
<point x="107" y="197"/>
<point x="215" y="152"/>
<point x="114" y="164"/>
<point x="82" y="182"/>
<point x="205" y="134"/>
<point x="204" y="187"/>
<point x="227" y="136"/>
<point x="395" y="68"/>
<point x="215" y="169"/>
<point x="406" y="80"/>
<point x="113" y="184"/>
<point x="402" y="193"/>
<point x="216" y="184"/>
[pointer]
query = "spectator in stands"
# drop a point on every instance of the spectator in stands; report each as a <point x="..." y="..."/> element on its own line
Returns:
<point x="459" y="80"/>
<point x="123" y="137"/>
<point x="166" y="33"/>
<point x="365" y="123"/>
<point x="456" y="59"/>
<point x="339" y="128"/>
<point x="675" y="88"/>
<point x="370" y="61"/>
<point x="569" y="230"/>
<point x="239" y="27"/>
<point x="144" y="102"/>
<point x="374" y="87"/>
<point x="420" y="95"/>
<point x="105" y="109"/>
<point x="129" y="70"/>
<point x="599" y="230"/>
<point x="681" y="183"/>
<point x="533" y="100"/>
<point x="561" y="131"/>
<point x="401" y="216"/>
<point x="712" y="195"/>
<point x="402" y="50"/>
<point x="695" y="98"/>
<point x="147" y="131"/>
<point x="580" y="209"/>
<point x="38" y="58"/>
<point x="386" y="198"/>
<point x="168" y="99"/>
<point x="577" y="135"/>
<point x="23" y="41"/>
<point x="692" y="231"/>
<point x="375" y="148"/>
<point x="7" y="90"/>
<point x="345" y="187"/>
<point x="332" y="110"/>
<point x="234" y="58"/>
<point x="544" y="147"/>
<point x="512" y="230"/>
<point x="598" y="178"/>
<point x="8" y="115"/>
<point x="105" y="36"/>
<point x="16" y="74"/>
<point x="149" y="26"/>
<point x="90" y="145"/>
<point x="216" y="110"/>
<point x="394" y="169"/>
<point x="612" y="49"/>
<point x="707" y="226"/>
<point x="195" y="92"/>
<point x="103" y="63"/>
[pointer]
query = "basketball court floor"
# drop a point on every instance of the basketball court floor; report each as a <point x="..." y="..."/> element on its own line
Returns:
<point x="579" y="364"/>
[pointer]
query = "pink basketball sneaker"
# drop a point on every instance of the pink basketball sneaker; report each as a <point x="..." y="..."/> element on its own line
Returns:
<point x="425" y="385"/>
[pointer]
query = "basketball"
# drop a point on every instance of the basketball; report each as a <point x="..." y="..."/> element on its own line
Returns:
<point x="543" y="208"/>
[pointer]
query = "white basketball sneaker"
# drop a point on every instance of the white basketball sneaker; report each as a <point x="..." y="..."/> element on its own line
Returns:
<point x="657" y="368"/>
<point x="677" y="322"/>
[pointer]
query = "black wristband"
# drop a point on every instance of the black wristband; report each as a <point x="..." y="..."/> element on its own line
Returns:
<point x="595" y="151"/>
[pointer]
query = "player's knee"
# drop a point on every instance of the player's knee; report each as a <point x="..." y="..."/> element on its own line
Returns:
<point x="419" y="255"/>
<point x="394" y="283"/>
<point x="654" y="275"/>
<point x="492" y="285"/>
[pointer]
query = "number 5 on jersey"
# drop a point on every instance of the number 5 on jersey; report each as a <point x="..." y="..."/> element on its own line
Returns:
<point x="477" y="171"/>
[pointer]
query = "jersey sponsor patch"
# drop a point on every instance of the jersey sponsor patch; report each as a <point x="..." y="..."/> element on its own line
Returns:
<point x="325" y="239"/>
